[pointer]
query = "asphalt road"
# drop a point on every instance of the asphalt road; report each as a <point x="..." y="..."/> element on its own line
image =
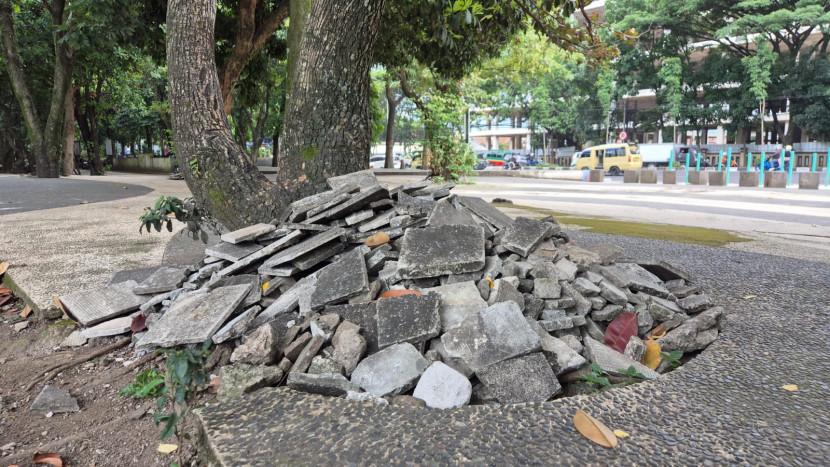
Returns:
<point x="21" y="194"/>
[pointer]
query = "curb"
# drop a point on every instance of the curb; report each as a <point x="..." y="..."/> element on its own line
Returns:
<point x="9" y="282"/>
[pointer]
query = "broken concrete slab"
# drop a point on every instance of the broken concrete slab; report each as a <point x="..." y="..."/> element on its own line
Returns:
<point x="662" y="309"/>
<point x="391" y="371"/>
<point x="355" y="203"/>
<point x="363" y="315"/>
<point x="138" y="275"/>
<point x="194" y="319"/>
<point x="359" y="216"/>
<point x="236" y="380"/>
<point x="612" y="293"/>
<point x="377" y="222"/>
<point x="325" y="384"/>
<point x="486" y="211"/>
<point x="561" y="357"/>
<point x="408" y="318"/>
<point x="522" y="379"/>
<point x="363" y="179"/>
<point x="640" y="279"/>
<point x="607" y="252"/>
<point x="236" y="327"/>
<point x="232" y="252"/>
<point x="612" y="361"/>
<point x="303" y="361"/>
<point x="340" y="281"/>
<point x="313" y="258"/>
<point x="524" y="234"/>
<point x="164" y="279"/>
<point x="441" y="387"/>
<point x="306" y="246"/>
<point x="259" y="348"/>
<point x="445" y="249"/>
<point x="349" y="346"/>
<point x="90" y="307"/>
<point x="504" y="291"/>
<point x="75" y="339"/>
<point x="696" y="333"/>
<point x="445" y="213"/>
<point x="582" y="258"/>
<point x="585" y="287"/>
<point x="252" y="280"/>
<point x="269" y="250"/>
<point x="55" y="400"/>
<point x="289" y="300"/>
<point x="695" y="303"/>
<point x="457" y="302"/>
<point x="112" y="327"/>
<point x="248" y="233"/>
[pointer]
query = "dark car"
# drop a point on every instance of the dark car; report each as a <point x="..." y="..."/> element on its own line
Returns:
<point x="680" y="152"/>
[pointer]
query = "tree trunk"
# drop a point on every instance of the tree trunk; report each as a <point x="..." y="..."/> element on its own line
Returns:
<point x="327" y="124"/>
<point x="218" y="172"/>
<point x="392" y="103"/>
<point x="61" y="86"/>
<point x="68" y="167"/>
<point x="299" y="15"/>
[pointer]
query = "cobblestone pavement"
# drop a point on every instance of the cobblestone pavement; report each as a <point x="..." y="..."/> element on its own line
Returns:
<point x="726" y="406"/>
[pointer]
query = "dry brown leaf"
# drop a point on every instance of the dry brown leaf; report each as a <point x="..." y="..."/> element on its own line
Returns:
<point x="658" y="332"/>
<point x="51" y="458"/>
<point x="3" y="267"/>
<point x="790" y="387"/>
<point x="621" y="434"/>
<point x="213" y="386"/>
<point x="652" y="356"/>
<point x="594" y="430"/>
<point x="123" y="207"/>
<point x="167" y="448"/>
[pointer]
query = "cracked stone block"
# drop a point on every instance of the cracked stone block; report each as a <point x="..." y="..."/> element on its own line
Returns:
<point x="497" y="333"/>
<point x="597" y="303"/>
<point x="457" y="302"/>
<point x="313" y="258"/>
<point x="247" y="233"/>
<point x="236" y="380"/>
<point x="112" y="327"/>
<point x="445" y="213"/>
<point x="561" y="357"/>
<point x="582" y="305"/>
<point x="695" y="333"/>
<point x="236" y="327"/>
<point x="288" y="301"/>
<point x="390" y="372"/>
<point x="522" y="379"/>
<point x="363" y="179"/>
<point x="441" y="387"/>
<point x="504" y="291"/>
<point x="355" y="203"/>
<point x="74" y="340"/>
<point x="307" y="355"/>
<point x="545" y="288"/>
<point x="293" y="350"/>
<point x="635" y="349"/>
<point x="612" y="293"/>
<point x="445" y="249"/>
<point x="255" y="294"/>
<point x="377" y="222"/>
<point x="582" y="258"/>
<point x="260" y="347"/>
<point x="557" y="324"/>
<point x="138" y="275"/>
<point x="326" y="384"/>
<point x="567" y="269"/>
<point x="695" y="303"/>
<point x="608" y="313"/>
<point x="194" y="319"/>
<point x="585" y="287"/>
<point x="662" y="309"/>
<point x="90" y="307"/>
<point x="359" y="216"/>
<point x="232" y="252"/>
<point x="349" y="346"/>
<point x="408" y="318"/>
<point x="55" y="400"/>
<point x="641" y="280"/>
<point x="607" y="252"/>
<point x="340" y="281"/>
<point x="524" y="234"/>
<point x="312" y="243"/>
<point x="321" y="365"/>
<point x="164" y="279"/>
<point x="615" y="276"/>
<point x="362" y="314"/>
<point x="486" y="211"/>
<point x="612" y="361"/>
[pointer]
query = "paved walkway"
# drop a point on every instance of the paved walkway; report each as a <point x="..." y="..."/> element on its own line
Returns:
<point x="726" y="406"/>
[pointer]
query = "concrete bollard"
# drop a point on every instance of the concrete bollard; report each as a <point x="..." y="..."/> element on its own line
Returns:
<point x="749" y="179"/>
<point x="808" y="180"/>
<point x="648" y="176"/>
<point x="597" y="175"/>
<point x="717" y="179"/>
<point x="670" y="177"/>
<point x="775" y="180"/>
<point x="698" y="177"/>
<point x="631" y="176"/>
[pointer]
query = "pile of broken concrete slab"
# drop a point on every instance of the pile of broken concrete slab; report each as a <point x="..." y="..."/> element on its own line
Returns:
<point x="409" y="296"/>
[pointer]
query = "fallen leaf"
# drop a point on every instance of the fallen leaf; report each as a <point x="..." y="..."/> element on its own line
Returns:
<point x="790" y="387"/>
<point x="621" y="434"/>
<point x="26" y="312"/>
<point x="123" y="207"/>
<point x="652" y="356"/>
<point x="491" y="282"/>
<point x="138" y="323"/>
<point x="213" y="386"/>
<point x="377" y="239"/>
<point x="5" y="290"/>
<point x="84" y="202"/>
<point x="51" y="458"/>
<point x="398" y="293"/>
<point x="4" y="299"/>
<point x="749" y="297"/>
<point x="658" y="332"/>
<point x="167" y="448"/>
<point x="3" y="267"/>
<point x="594" y="430"/>
<point x="620" y="330"/>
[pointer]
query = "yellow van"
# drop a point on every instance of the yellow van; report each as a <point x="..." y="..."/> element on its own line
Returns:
<point x="614" y="158"/>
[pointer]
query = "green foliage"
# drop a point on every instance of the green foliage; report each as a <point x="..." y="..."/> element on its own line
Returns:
<point x="633" y="375"/>
<point x="194" y="167"/>
<point x="673" y="357"/>
<point x="443" y="113"/>
<point x="185" y="375"/>
<point x="759" y="67"/>
<point x="148" y="383"/>
<point x="596" y="378"/>
<point x="168" y="208"/>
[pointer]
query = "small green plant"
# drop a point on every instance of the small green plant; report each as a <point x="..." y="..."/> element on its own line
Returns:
<point x="148" y="383"/>
<point x="194" y="167"/>
<point x="596" y="379"/>
<point x="168" y="208"/>
<point x="634" y="376"/>
<point x="673" y="358"/>
<point x="185" y="375"/>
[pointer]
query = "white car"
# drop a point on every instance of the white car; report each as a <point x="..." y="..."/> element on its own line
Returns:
<point x="379" y="162"/>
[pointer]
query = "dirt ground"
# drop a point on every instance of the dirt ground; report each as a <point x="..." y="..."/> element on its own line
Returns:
<point x="109" y="430"/>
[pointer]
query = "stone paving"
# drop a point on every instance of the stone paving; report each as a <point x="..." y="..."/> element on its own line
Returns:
<point x="725" y="406"/>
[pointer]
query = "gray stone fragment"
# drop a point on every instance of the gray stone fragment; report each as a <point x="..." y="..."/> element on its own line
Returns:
<point x="287" y="226"/>
<point x="520" y="269"/>
<point x="524" y="234"/>
<point x="355" y="203"/>
<point x="522" y="379"/>
<point x="232" y="252"/>
<point x="349" y="346"/>
<point x="486" y="211"/>
<point x="376" y="260"/>
<point x="593" y="330"/>
<point x="252" y="280"/>
<point x="635" y="349"/>
<point x="365" y="316"/>
<point x="288" y="301"/>
<point x="306" y="246"/>
<point x="236" y="380"/>
<point x="684" y="291"/>
<point x="321" y="365"/>
<point x="326" y="384"/>
<point x="408" y="318"/>
<point x="546" y="288"/>
<point x="662" y="309"/>
<point x="359" y="216"/>
<point x="194" y="319"/>
<point x="567" y="269"/>
<point x="495" y="334"/>
<point x="391" y="371"/>
<point x="410" y="206"/>
<point x="695" y="303"/>
<point x="236" y="327"/>
<point x="484" y="289"/>
<point x="644" y="319"/>
<point x="561" y="357"/>
<point x="377" y="222"/>
<point x="399" y="221"/>
<point x="457" y="302"/>
<point x="164" y="279"/>
<point x="573" y="342"/>
<point x="112" y="327"/>
<point x="641" y="280"/>
<point x="269" y="250"/>
<point x="93" y="306"/>
<point x="303" y="205"/>
<point x="607" y="252"/>
<point x="313" y="214"/>
<point x="55" y="400"/>
<point x="75" y="339"/>
<point x="340" y="281"/>
<point x="138" y="275"/>
<point x="260" y="347"/>
<point x="441" y="387"/>
<point x="597" y="303"/>
<point x="552" y="314"/>
<point x="612" y="293"/>
<point x="558" y="324"/>
<point x="366" y="397"/>
<point x="445" y="213"/>
<point x="363" y="179"/>
<point x="612" y="361"/>
<point x="309" y="352"/>
<point x="578" y="320"/>
<point x="615" y="276"/>
<point x="607" y="314"/>
<point x="585" y="287"/>
<point x="582" y="305"/>
<point x="694" y="334"/>
<point x="293" y="349"/>
<point x="664" y="271"/>
<point x="248" y="233"/>
<point x="505" y="291"/>
<point x="446" y="249"/>
<point x="313" y="258"/>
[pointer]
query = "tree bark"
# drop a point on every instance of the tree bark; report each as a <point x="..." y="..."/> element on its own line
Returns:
<point x="327" y="124"/>
<point x="249" y="39"/>
<point x="299" y="15"/>
<point x="218" y="172"/>
<point x="392" y="103"/>
<point x="61" y="85"/>
<point x="68" y="166"/>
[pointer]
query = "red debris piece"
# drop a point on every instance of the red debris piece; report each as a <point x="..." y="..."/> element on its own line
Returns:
<point x="138" y="323"/>
<point x="620" y="331"/>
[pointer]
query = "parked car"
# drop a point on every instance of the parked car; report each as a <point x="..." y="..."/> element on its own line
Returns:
<point x="613" y="158"/>
<point x="379" y="162"/>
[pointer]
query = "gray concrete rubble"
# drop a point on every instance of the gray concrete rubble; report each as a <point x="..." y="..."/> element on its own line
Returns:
<point x="456" y="304"/>
<point x="54" y="400"/>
